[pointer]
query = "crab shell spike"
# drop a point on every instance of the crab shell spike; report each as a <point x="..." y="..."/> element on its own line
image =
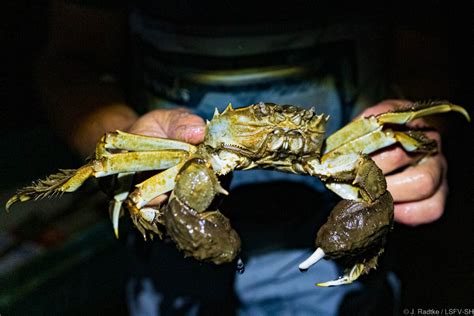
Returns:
<point x="228" y="108"/>
<point x="312" y="260"/>
<point x="207" y="122"/>
<point x="316" y="120"/>
<point x="216" y="113"/>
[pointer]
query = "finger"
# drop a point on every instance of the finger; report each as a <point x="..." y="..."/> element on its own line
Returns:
<point x="425" y="211"/>
<point x="418" y="182"/>
<point x="393" y="158"/>
<point x="150" y="124"/>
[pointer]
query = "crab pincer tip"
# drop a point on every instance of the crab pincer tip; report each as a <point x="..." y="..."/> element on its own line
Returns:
<point x="14" y="199"/>
<point x="337" y="282"/>
<point x="312" y="260"/>
<point x="10" y="202"/>
<point x="220" y="189"/>
<point x="461" y="110"/>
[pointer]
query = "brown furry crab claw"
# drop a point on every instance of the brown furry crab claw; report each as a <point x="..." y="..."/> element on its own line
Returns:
<point x="263" y="135"/>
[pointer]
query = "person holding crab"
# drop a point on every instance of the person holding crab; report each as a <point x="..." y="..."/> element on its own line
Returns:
<point x="160" y="69"/>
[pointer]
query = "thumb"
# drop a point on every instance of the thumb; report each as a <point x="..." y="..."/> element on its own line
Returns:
<point x="186" y="126"/>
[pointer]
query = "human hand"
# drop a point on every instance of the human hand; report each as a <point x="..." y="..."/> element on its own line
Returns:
<point x="419" y="189"/>
<point x="178" y="124"/>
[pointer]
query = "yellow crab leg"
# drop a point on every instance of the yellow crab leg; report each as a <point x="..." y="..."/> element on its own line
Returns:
<point x="154" y="186"/>
<point x="71" y="180"/>
<point x="145" y="218"/>
<point x="115" y="210"/>
<point x="67" y="180"/>
<point x="363" y="126"/>
<point x="133" y="142"/>
<point x="138" y="161"/>
<point x="417" y="111"/>
<point x="373" y="141"/>
<point x="120" y="195"/>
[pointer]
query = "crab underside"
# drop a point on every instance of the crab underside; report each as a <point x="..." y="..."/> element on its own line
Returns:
<point x="263" y="135"/>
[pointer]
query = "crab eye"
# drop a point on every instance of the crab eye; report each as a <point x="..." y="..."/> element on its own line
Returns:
<point x="264" y="108"/>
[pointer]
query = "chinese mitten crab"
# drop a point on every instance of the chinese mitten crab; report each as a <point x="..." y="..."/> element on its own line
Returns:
<point x="264" y="135"/>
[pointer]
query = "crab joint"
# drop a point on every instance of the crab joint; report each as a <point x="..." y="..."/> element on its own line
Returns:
<point x="312" y="260"/>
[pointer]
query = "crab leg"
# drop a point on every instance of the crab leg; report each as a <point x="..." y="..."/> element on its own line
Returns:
<point x="71" y="180"/>
<point x="411" y="141"/>
<point x="146" y="218"/>
<point x="138" y="161"/>
<point x="362" y="126"/>
<point x="154" y="186"/>
<point x="67" y="180"/>
<point x="115" y="210"/>
<point x="418" y="110"/>
<point x="119" y="140"/>
<point x="121" y="193"/>
<point x="133" y="142"/>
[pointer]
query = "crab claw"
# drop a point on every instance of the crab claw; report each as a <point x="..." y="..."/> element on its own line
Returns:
<point x="197" y="230"/>
<point x="312" y="260"/>
<point x="348" y="278"/>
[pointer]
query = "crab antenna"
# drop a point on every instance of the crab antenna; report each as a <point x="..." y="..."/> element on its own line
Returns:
<point x="312" y="260"/>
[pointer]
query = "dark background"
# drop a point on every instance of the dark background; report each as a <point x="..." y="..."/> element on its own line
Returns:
<point x="435" y="262"/>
